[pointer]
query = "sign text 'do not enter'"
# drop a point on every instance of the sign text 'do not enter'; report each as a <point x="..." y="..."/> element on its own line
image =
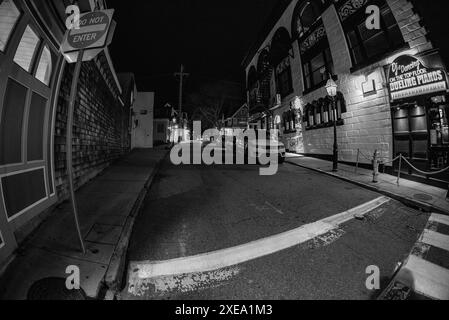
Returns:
<point x="93" y="28"/>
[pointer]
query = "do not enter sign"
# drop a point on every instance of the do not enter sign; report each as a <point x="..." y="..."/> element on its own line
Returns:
<point x="93" y="32"/>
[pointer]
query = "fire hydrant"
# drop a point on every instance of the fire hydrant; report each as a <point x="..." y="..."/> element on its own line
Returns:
<point x="375" y="168"/>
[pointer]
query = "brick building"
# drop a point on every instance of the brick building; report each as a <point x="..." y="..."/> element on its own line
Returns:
<point x="392" y="82"/>
<point x="35" y="85"/>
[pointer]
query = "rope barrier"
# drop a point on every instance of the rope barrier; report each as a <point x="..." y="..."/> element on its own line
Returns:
<point x="400" y="158"/>
<point x="392" y="161"/>
<point x="424" y="172"/>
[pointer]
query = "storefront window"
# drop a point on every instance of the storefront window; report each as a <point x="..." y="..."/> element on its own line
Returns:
<point x="9" y="15"/>
<point x="27" y="48"/>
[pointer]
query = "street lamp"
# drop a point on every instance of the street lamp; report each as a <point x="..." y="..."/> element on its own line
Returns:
<point x="331" y="88"/>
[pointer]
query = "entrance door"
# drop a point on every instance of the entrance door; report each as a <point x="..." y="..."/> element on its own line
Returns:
<point x="411" y="134"/>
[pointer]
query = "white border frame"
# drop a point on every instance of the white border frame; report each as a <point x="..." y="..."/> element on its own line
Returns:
<point x="15" y="216"/>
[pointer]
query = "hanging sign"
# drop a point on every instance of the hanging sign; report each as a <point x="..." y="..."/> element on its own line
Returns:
<point x="409" y="77"/>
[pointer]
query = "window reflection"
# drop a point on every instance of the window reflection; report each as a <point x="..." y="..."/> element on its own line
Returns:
<point x="27" y="48"/>
<point x="44" y="68"/>
<point x="9" y="14"/>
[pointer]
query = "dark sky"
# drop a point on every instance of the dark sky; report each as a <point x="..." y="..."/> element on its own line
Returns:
<point x="211" y="38"/>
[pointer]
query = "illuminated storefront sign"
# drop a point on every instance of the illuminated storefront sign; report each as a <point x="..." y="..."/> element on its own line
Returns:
<point x="409" y="77"/>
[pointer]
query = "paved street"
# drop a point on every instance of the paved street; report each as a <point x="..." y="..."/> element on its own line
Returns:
<point x="208" y="211"/>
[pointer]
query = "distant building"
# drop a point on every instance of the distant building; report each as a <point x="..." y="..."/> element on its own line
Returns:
<point x="142" y="121"/>
<point x="163" y="124"/>
<point x="392" y="83"/>
<point x="239" y="120"/>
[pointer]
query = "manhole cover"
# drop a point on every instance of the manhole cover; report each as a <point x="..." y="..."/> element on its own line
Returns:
<point x="422" y="197"/>
<point x="53" y="289"/>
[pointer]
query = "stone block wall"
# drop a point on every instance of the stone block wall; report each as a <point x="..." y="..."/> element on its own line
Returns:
<point x="367" y="122"/>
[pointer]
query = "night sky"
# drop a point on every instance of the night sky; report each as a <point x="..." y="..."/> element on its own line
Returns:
<point x="210" y="37"/>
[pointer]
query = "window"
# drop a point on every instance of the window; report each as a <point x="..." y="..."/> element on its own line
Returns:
<point x="44" y="68"/>
<point x="290" y="121"/>
<point x="316" y="57"/>
<point x="36" y="120"/>
<point x="320" y="114"/>
<point x="280" y="60"/>
<point x="317" y="69"/>
<point x="9" y="15"/>
<point x="27" y="48"/>
<point x="306" y="14"/>
<point x="284" y="82"/>
<point x="366" y="45"/>
<point x="11" y="123"/>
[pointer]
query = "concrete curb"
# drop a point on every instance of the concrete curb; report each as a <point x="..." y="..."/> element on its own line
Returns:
<point x="427" y="207"/>
<point x="115" y="274"/>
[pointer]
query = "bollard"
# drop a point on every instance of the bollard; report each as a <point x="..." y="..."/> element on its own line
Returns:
<point x="400" y="168"/>
<point x="375" y="168"/>
<point x="357" y="163"/>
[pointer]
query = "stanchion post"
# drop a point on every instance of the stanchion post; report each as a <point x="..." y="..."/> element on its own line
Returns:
<point x="375" y="167"/>
<point x="400" y="168"/>
<point x="357" y="163"/>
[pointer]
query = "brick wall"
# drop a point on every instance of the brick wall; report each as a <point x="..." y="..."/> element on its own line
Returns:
<point x="100" y="123"/>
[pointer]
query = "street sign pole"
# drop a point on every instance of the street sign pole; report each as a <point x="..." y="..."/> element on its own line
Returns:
<point x="80" y="45"/>
<point x="69" y="144"/>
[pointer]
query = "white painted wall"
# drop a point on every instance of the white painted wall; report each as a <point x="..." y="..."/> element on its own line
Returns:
<point x="142" y="133"/>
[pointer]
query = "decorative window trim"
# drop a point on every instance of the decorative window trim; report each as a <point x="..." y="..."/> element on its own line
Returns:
<point x="315" y="37"/>
<point x="350" y="7"/>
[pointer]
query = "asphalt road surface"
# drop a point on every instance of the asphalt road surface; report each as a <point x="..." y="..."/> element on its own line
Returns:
<point x="222" y="214"/>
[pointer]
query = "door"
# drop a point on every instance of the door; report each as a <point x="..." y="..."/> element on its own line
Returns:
<point x="411" y="135"/>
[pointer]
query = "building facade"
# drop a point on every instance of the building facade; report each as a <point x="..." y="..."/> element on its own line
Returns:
<point x="392" y="83"/>
<point x="143" y="121"/>
<point x="35" y="83"/>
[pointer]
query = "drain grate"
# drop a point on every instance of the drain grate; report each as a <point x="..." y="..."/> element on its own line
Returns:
<point x="423" y="197"/>
<point x="51" y="289"/>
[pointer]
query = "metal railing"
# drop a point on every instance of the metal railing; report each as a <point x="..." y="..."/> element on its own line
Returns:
<point x="376" y="162"/>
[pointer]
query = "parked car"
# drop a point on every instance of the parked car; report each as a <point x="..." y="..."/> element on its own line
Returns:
<point x="265" y="145"/>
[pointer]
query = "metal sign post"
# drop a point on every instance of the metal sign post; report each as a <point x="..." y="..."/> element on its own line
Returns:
<point x="80" y="45"/>
<point x="69" y="144"/>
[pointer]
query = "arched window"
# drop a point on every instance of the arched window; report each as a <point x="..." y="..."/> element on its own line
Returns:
<point x="305" y="15"/>
<point x="316" y="58"/>
<point x="280" y="60"/>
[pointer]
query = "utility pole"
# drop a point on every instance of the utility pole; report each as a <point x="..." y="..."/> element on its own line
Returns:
<point x="181" y="76"/>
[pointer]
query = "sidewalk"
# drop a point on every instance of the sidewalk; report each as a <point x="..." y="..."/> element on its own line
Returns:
<point x="107" y="209"/>
<point x="416" y="194"/>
